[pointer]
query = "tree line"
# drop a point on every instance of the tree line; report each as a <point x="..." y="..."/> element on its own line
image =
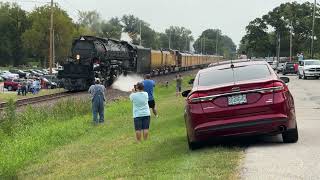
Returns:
<point x="263" y="34"/>
<point x="25" y="35"/>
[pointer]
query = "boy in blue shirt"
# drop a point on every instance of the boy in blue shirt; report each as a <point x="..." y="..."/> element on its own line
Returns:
<point x="141" y="111"/>
<point x="148" y="87"/>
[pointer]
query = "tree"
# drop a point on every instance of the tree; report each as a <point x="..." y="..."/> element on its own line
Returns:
<point x="278" y="23"/>
<point x="13" y="22"/>
<point x="111" y="28"/>
<point x="36" y="38"/>
<point x="258" y="43"/>
<point x="179" y="37"/>
<point x="133" y="25"/>
<point x="211" y="41"/>
<point x="91" y="20"/>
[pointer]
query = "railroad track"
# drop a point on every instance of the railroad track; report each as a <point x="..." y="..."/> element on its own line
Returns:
<point x="38" y="99"/>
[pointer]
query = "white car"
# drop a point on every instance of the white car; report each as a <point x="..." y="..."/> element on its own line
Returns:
<point x="9" y="75"/>
<point x="309" y="68"/>
<point x="280" y="67"/>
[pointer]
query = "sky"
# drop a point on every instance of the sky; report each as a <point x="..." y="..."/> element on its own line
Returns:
<point x="231" y="16"/>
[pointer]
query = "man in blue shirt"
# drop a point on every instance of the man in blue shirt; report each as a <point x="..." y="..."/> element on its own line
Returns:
<point x="148" y="87"/>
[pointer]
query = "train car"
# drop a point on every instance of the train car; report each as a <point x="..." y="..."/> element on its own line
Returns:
<point x="169" y="60"/>
<point x="94" y="57"/>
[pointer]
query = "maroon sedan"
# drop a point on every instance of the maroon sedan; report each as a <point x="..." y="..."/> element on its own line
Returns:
<point x="239" y="98"/>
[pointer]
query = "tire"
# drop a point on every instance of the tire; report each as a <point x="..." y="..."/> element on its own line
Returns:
<point x="193" y="145"/>
<point x="49" y="87"/>
<point x="304" y="76"/>
<point x="9" y="88"/>
<point x="290" y="136"/>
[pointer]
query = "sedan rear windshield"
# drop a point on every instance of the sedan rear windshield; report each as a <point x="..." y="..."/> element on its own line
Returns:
<point x="229" y="75"/>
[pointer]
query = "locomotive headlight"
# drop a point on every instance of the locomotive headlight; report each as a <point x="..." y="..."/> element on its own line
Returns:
<point x="77" y="56"/>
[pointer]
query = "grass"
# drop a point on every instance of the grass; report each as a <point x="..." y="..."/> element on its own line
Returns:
<point x="69" y="147"/>
<point x="6" y="96"/>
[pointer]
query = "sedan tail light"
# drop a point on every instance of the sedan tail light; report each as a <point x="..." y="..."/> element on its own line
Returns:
<point x="274" y="87"/>
<point x="197" y="97"/>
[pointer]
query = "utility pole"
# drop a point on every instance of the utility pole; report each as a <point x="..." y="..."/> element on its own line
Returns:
<point x="217" y="42"/>
<point x="291" y="41"/>
<point x="204" y="44"/>
<point x="51" y="41"/>
<point x="313" y="20"/>
<point x="140" y="35"/>
<point x="169" y="38"/>
<point x="187" y="47"/>
<point x="201" y="40"/>
<point x="278" y="51"/>
<point x="53" y="50"/>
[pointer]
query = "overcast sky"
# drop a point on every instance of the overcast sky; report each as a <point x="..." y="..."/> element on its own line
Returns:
<point x="231" y="16"/>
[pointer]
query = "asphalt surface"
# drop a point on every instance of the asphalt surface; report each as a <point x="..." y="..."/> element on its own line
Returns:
<point x="269" y="158"/>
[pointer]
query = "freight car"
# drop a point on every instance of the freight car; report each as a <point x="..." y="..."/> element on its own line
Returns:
<point x="93" y="57"/>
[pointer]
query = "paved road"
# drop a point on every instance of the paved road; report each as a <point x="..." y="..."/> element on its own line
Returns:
<point x="270" y="159"/>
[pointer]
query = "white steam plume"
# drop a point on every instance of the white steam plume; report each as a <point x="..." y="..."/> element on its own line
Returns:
<point x="126" y="83"/>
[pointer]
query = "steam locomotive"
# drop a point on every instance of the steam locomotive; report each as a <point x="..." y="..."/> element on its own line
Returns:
<point x="94" y="57"/>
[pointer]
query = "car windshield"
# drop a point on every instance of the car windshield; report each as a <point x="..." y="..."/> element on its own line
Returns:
<point x="229" y="75"/>
<point x="312" y="63"/>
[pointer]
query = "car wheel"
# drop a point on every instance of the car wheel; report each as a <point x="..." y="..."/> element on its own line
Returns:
<point x="304" y="76"/>
<point x="9" y="88"/>
<point x="193" y="145"/>
<point x="49" y="87"/>
<point x="290" y="136"/>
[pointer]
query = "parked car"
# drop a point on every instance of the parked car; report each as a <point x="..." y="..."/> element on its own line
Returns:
<point x="309" y="68"/>
<point x="35" y="73"/>
<point x="49" y="84"/>
<point x="274" y="65"/>
<point x="40" y="71"/>
<point x="53" y="78"/>
<point x="8" y="75"/>
<point x="288" y="68"/>
<point x="280" y="67"/>
<point x="11" y="85"/>
<point x="21" y="73"/>
<point x="245" y="98"/>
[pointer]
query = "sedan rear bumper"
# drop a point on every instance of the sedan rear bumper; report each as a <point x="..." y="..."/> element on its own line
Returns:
<point x="241" y="125"/>
<point x="270" y="125"/>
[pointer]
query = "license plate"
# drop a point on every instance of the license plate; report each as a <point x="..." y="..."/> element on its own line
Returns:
<point x="237" y="99"/>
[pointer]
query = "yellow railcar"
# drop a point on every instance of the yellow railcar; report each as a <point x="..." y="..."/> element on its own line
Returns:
<point x="169" y="58"/>
<point x="156" y="59"/>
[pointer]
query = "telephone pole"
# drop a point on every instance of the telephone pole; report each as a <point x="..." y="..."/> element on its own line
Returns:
<point x="51" y="40"/>
<point x="313" y="20"/>
<point x="291" y="41"/>
<point x="140" y="35"/>
<point x="217" y="42"/>
<point x="170" y="39"/>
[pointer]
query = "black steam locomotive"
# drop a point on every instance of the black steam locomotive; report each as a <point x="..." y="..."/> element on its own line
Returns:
<point x="94" y="57"/>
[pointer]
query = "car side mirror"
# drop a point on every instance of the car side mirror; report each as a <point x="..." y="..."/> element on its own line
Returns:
<point x="191" y="81"/>
<point x="285" y="79"/>
<point x="185" y="93"/>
